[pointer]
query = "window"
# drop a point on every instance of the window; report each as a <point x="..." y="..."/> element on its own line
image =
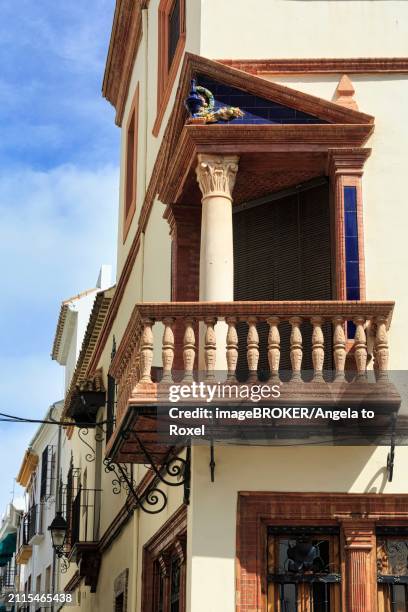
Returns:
<point x="172" y="38"/>
<point x="175" y="583"/>
<point x="131" y="165"/>
<point x="304" y="569"/>
<point x="169" y="580"/>
<point x="392" y="571"/>
<point x="119" y="603"/>
<point x="164" y="567"/>
<point x="47" y="472"/>
<point x="174" y="33"/>
<point x="120" y="587"/>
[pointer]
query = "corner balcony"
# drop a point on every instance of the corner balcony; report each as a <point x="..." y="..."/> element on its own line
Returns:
<point x="320" y="353"/>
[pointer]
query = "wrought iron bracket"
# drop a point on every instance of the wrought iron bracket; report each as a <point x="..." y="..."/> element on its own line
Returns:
<point x="99" y="434"/>
<point x="152" y="499"/>
<point x="391" y="454"/>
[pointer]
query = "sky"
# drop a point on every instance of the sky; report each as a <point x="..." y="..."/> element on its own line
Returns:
<point x="59" y="157"/>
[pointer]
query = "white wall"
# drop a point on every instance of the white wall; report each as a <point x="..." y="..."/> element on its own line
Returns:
<point x="303" y="28"/>
<point x="213" y="510"/>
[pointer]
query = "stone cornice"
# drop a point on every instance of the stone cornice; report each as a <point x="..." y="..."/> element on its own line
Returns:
<point x="347" y="161"/>
<point x="124" y="44"/>
<point x="359" y="65"/>
<point x="230" y="139"/>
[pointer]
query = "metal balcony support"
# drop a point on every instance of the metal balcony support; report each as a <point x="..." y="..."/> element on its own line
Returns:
<point x="173" y="472"/>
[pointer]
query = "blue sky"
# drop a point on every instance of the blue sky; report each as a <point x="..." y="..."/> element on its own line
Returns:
<point x="59" y="150"/>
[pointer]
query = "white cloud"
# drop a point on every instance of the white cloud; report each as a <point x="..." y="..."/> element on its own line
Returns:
<point x="57" y="228"/>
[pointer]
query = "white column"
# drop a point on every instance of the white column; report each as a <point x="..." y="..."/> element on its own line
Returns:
<point x="216" y="178"/>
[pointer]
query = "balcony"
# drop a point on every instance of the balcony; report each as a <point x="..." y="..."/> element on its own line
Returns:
<point x="7" y="580"/>
<point x="24" y="548"/>
<point x="319" y="352"/>
<point x="35" y="524"/>
<point x="80" y="506"/>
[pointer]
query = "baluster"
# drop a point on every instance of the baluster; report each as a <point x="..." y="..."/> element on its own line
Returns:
<point x="168" y="349"/>
<point x="232" y="348"/>
<point x="339" y="348"/>
<point x="360" y="347"/>
<point x="189" y="349"/>
<point x="296" y="352"/>
<point x="274" y="347"/>
<point x="317" y="348"/>
<point x="146" y="351"/>
<point x="252" y="349"/>
<point x="210" y="348"/>
<point x="381" y="347"/>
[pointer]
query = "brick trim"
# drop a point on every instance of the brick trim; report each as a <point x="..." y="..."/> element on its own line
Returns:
<point x="257" y="510"/>
<point x="130" y="191"/>
<point x="171" y="536"/>
<point x="345" y="168"/>
<point x="359" y="65"/>
<point x="166" y="76"/>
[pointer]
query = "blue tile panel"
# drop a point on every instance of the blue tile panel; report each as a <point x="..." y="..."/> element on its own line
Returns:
<point x="257" y="110"/>
<point x="351" y="250"/>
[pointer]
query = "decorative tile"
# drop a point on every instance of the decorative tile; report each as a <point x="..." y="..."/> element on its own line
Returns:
<point x="257" y="110"/>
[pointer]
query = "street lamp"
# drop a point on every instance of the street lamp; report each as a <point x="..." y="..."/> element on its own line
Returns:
<point x="58" y="529"/>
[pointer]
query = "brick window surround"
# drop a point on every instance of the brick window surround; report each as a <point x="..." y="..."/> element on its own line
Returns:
<point x="166" y="70"/>
<point x="131" y="165"/>
<point x="357" y="515"/>
<point x="168" y="542"/>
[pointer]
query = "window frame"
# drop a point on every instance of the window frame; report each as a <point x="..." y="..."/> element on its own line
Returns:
<point x="166" y="74"/>
<point x="168" y="544"/>
<point x="131" y="150"/>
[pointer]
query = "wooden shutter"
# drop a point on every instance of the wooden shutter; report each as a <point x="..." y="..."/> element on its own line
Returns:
<point x="282" y="252"/>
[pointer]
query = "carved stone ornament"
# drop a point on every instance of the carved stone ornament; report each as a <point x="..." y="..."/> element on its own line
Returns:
<point x="216" y="174"/>
<point x="201" y="106"/>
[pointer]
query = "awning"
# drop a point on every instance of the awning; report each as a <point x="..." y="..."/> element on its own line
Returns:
<point x="7" y="548"/>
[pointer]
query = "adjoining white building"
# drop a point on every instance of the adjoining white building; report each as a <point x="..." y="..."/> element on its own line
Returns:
<point x="46" y="462"/>
<point x="8" y="539"/>
<point x="39" y="476"/>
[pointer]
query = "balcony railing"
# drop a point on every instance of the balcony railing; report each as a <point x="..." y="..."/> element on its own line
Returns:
<point x="24" y="531"/>
<point x="7" y="579"/>
<point x="24" y="548"/>
<point x="289" y="337"/>
<point x="35" y="526"/>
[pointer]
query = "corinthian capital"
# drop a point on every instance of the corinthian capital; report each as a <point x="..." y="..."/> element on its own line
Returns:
<point x="216" y="174"/>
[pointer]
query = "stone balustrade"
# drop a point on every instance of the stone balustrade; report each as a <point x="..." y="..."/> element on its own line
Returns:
<point x="319" y="353"/>
<point x="371" y="321"/>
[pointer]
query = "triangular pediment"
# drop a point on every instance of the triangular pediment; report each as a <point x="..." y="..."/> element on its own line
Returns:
<point x="275" y="118"/>
<point x="218" y="74"/>
<point x="257" y="110"/>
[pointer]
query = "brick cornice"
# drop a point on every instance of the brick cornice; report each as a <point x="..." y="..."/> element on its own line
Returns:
<point x="237" y="139"/>
<point x="347" y="161"/>
<point x="359" y="65"/>
<point x="124" y="44"/>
